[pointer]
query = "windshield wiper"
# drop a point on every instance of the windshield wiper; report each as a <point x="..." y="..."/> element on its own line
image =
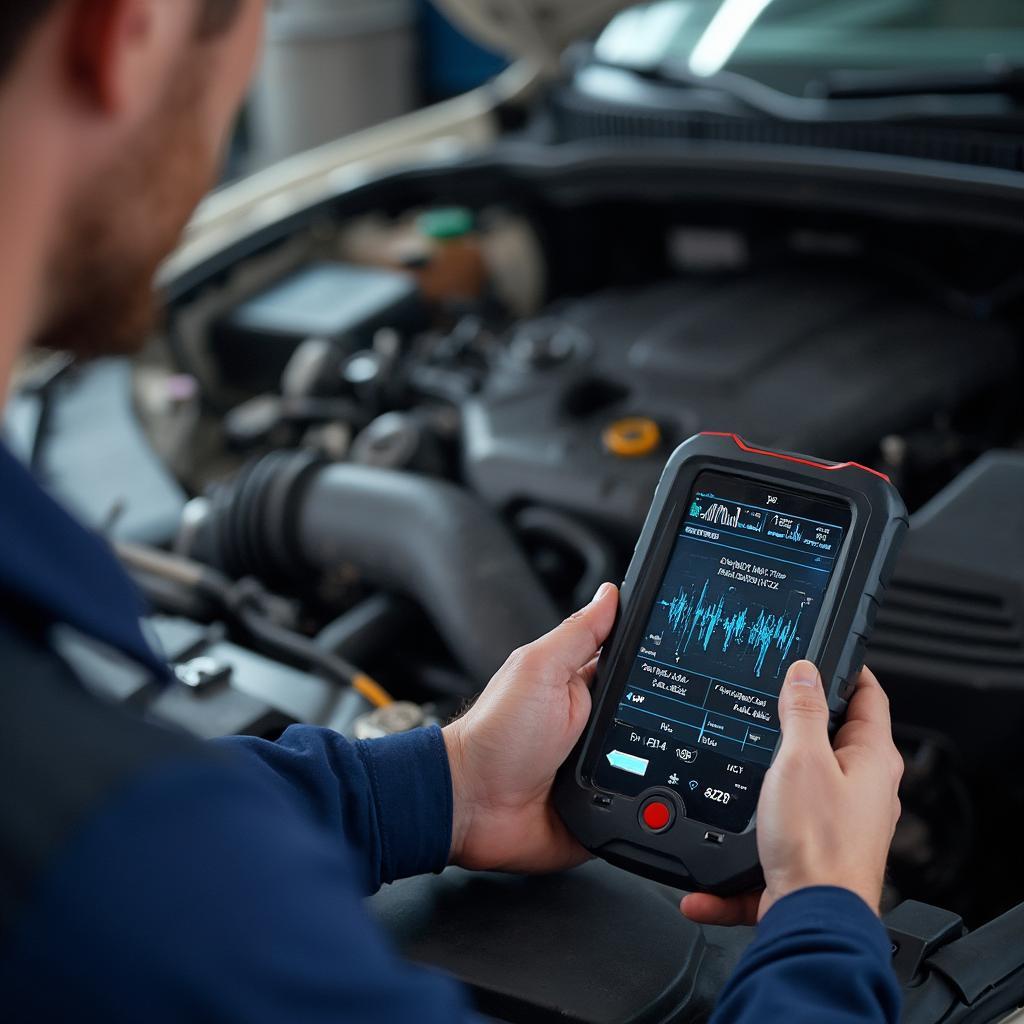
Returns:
<point x="997" y="79"/>
<point x="894" y="103"/>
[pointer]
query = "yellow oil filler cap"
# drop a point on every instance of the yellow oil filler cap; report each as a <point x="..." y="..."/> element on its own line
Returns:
<point x="632" y="438"/>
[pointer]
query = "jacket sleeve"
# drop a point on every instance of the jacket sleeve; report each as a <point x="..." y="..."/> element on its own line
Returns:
<point x="820" y="955"/>
<point x="390" y="799"/>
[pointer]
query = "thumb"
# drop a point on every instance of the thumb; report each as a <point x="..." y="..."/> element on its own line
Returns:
<point x="803" y="710"/>
<point x="571" y="645"/>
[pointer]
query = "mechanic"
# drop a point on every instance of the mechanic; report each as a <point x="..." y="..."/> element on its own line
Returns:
<point x="146" y="877"/>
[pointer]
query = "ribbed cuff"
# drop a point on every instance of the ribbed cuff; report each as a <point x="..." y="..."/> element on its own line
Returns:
<point x="826" y="908"/>
<point x="412" y="790"/>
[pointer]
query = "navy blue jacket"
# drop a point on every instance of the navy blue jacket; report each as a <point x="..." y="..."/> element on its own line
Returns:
<point x="230" y="887"/>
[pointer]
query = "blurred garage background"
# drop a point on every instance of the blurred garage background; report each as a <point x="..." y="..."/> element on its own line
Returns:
<point x="335" y="66"/>
<point x="801" y="220"/>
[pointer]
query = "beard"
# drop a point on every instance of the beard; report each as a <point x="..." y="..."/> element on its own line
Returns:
<point x="122" y="225"/>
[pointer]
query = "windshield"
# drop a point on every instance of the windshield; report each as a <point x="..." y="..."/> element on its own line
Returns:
<point x="790" y="44"/>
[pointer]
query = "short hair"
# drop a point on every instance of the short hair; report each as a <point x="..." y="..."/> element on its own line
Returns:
<point x="20" y="18"/>
<point x="16" y="24"/>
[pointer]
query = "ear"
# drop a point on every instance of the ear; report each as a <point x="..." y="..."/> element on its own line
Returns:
<point x="121" y="51"/>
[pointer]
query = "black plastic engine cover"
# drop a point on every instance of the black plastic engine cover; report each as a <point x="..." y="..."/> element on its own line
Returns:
<point x="796" y="360"/>
<point x="600" y="946"/>
<point x="954" y="615"/>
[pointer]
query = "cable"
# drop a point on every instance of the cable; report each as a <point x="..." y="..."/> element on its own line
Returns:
<point x="244" y="601"/>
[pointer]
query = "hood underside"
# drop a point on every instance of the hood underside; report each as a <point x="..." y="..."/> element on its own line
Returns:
<point x="536" y="29"/>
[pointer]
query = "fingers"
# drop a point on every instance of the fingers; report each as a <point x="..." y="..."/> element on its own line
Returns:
<point x="703" y="908"/>
<point x="803" y="711"/>
<point x="868" y="710"/>
<point x="868" y="727"/>
<point x="578" y="639"/>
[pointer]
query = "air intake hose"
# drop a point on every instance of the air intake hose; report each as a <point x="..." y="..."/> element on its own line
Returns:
<point x="289" y="514"/>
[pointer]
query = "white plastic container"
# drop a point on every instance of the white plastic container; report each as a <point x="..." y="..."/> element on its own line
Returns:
<point x="331" y="67"/>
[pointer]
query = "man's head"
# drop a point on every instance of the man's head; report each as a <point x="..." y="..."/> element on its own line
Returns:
<point x="131" y="103"/>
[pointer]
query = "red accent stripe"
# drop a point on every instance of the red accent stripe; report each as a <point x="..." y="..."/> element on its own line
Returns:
<point x="743" y="446"/>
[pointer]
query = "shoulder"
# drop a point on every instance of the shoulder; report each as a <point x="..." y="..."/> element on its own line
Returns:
<point x="63" y="755"/>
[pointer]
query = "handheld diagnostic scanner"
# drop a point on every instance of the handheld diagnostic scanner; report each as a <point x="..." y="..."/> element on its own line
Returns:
<point x="748" y="561"/>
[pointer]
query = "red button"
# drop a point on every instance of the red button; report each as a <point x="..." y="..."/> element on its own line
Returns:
<point x="656" y="815"/>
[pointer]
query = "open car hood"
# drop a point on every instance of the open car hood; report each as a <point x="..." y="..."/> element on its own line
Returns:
<point x="536" y="29"/>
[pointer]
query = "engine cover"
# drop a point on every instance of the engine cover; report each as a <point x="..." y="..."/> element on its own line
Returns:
<point x="798" y="359"/>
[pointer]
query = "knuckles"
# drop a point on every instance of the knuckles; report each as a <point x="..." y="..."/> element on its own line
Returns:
<point x="521" y="659"/>
<point x="580" y="620"/>
<point x="896" y="766"/>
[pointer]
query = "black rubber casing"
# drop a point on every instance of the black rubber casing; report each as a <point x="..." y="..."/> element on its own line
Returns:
<point x="691" y="854"/>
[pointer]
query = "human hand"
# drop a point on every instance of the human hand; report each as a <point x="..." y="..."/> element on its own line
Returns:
<point x="504" y="752"/>
<point x="827" y="813"/>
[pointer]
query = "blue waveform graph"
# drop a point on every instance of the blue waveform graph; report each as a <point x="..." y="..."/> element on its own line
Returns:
<point x="719" y="514"/>
<point x="736" y="518"/>
<point x="707" y="624"/>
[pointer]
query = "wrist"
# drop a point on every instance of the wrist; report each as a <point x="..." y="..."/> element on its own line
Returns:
<point x="462" y="813"/>
<point x="868" y="890"/>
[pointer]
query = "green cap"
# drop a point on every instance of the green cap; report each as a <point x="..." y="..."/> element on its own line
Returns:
<point x="446" y="222"/>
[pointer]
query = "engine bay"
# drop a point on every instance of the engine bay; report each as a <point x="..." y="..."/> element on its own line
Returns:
<point x="404" y="433"/>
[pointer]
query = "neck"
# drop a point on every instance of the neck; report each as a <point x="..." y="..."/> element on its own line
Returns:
<point x="17" y="294"/>
<point x="28" y="213"/>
